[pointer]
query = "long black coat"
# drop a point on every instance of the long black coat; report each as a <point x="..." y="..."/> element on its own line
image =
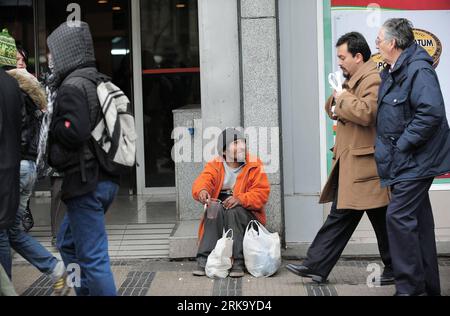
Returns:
<point x="413" y="135"/>
<point x="11" y="101"/>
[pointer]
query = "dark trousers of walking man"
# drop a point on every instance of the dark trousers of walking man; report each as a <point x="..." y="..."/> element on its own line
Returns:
<point x="335" y="234"/>
<point x="333" y="237"/>
<point x="410" y="225"/>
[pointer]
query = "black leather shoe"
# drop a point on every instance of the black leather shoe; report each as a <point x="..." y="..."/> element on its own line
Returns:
<point x="306" y="272"/>
<point x="403" y="294"/>
<point x="387" y="278"/>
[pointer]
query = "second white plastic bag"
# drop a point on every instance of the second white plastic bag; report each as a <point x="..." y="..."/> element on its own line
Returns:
<point x="262" y="250"/>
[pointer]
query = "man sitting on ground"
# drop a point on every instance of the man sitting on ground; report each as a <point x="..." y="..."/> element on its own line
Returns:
<point x="238" y="180"/>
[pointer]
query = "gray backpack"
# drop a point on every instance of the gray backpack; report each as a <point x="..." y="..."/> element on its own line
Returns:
<point x="115" y="134"/>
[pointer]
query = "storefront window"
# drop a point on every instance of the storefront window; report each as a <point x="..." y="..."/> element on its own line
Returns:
<point x="17" y="17"/>
<point x="110" y="25"/>
<point x="170" y="62"/>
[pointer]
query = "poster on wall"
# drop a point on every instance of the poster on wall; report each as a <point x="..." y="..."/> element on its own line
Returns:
<point x="431" y="20"/>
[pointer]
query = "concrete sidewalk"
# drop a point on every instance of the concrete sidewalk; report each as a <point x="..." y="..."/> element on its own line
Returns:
<point x="166" y="278"/>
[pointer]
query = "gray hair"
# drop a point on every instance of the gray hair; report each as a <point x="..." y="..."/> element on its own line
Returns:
<point x="401" y="30"/>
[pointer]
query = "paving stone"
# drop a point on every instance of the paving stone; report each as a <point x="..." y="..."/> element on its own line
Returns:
<point x="166" y="278"/>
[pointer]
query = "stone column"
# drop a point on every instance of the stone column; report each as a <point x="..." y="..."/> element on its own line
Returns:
<point x="260" y="90"/>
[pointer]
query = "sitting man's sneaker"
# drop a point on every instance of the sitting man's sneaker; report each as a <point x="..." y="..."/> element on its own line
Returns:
<point x="59" y="279"/>
<point x="306" y="272"/>
<point x="199" y="272"/>
<point x="237" y="272"/>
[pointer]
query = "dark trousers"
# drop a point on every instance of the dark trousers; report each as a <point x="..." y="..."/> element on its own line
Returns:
<point x="236" y="219"/>
<point x="410" y="225"/>
<point x="57" y="207"/>
<point x="335" y="234"/>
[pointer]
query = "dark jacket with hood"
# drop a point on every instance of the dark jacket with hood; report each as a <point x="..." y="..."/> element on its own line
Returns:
<point x="413" y="135"/>
<point x="76" y="110"/>
<point x="11" y="101"/>
<point x="32" y="112"/>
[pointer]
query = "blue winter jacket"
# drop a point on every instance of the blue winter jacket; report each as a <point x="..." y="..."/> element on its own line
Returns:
<point x="413" y="135"/>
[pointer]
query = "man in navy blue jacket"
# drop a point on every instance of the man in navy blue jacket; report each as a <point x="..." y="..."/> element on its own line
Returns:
<point x="412" y="148"/>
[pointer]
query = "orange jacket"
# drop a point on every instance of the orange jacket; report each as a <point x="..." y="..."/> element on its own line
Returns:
<point x="252" y="186"/>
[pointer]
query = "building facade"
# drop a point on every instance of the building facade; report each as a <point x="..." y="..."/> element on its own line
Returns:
<point x="199" y="65"/>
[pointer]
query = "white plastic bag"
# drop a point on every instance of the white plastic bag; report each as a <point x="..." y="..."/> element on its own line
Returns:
<point x="262" y="250"/>
<point x="219" y="261"/>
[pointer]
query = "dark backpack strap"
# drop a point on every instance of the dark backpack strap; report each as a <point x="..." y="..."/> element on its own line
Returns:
<point x="83" y="166"/>
<point x="96" y="78"/>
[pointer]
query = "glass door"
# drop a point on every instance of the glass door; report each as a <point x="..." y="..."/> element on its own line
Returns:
<point x="170" y="77"/>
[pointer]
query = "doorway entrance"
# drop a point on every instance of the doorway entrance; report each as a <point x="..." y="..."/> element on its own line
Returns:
<point x="168" y="70"/>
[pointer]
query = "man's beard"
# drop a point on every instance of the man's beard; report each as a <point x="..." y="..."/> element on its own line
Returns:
<point x="240" y="158"/>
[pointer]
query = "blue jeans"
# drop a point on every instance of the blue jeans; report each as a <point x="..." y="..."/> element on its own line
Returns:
<point x="17" y="239"/>
<point x="82" y="240"/>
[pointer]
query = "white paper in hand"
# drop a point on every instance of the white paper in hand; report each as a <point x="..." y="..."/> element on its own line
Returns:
<point x="336" y="82"/>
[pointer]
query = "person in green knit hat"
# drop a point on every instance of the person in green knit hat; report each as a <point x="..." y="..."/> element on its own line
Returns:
<point x="8" y="205"/>
<point x="8" y="50"/>
<point x="31" y="101"/>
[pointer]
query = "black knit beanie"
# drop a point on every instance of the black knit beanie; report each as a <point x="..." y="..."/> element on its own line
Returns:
<point x="228" y="136"/>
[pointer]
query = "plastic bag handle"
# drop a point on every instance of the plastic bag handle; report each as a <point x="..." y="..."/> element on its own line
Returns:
<point x="251" y="226"/>
<point x="259" y="225"/>
<point x="225" y="234"/>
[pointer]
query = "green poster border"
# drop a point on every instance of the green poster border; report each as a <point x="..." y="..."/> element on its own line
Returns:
<point x="359" y="8"/>
<point x="328" y="46"/>
<point x="328" y="42"/>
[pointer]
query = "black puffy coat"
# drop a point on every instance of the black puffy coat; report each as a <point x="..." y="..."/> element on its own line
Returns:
<point x="10" y="127"/>
<point x="32" y="112"/>
<point x="76" y="110"/>
<point x="413" y="135"/>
